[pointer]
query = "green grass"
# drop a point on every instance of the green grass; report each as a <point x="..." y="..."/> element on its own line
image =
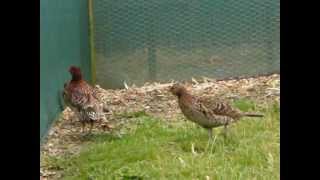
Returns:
<point x="157" y="149"/>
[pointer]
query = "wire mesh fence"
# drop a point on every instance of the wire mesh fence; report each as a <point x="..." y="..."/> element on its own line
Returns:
<point x="147" y="40"/>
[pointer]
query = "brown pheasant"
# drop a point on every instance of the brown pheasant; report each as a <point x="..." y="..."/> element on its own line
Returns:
<point x="83" y="100"/>
<point x="206" y="113"/>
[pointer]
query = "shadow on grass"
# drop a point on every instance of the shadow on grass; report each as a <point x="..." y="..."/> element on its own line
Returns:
<point x="131" y="178"/>
<point x="101" y="137"/>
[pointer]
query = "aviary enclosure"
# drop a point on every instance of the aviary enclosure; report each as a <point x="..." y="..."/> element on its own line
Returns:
<point x="131" y="51"/>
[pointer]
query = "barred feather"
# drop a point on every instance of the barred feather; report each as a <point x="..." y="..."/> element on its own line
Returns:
<point x="223" y="108"/>
<point x="82" y="98"/>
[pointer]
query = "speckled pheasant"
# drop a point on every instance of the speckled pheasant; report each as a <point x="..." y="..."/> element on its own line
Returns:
<point x="205" y="112"/>
<point x="83" y="100"/>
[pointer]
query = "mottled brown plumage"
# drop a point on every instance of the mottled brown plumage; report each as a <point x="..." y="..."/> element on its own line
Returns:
<point x="205" y="112"/>
<point x="83" y="99"/>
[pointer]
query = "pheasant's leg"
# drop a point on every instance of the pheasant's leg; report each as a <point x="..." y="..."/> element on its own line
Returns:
<point x="73" y="117"/>
<point x="225" y="130"/>
<point x="83" y="126"/>
<point x="91" y="125"/>
<point x="210" y="132"/>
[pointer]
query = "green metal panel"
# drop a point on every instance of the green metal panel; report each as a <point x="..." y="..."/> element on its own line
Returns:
<point x="147" y="40"/>
<point x="64" y="41"/>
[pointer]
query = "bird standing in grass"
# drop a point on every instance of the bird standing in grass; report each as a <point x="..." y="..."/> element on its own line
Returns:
<point x="83" y="100"/>
<point x="205" y="112"/>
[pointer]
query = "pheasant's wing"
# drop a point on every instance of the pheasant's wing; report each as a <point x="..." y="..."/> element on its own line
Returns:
<point x="79" y="96"/>
<point x="93" y="108"/>
<point x="96" y="93"/>
<point x="93" y="91"/>
<point x="220" y="107"/>
<point x="214" y="119"/>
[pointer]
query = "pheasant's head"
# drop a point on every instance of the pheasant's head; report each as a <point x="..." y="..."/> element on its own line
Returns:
<point x="75" y="73"/>
<point x="177" y="89"/>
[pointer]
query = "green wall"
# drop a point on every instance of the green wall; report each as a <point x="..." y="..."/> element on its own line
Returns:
<point x="64" y="41"/>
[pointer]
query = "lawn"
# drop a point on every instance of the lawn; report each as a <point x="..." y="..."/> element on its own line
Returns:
<point x="158" y="149"/>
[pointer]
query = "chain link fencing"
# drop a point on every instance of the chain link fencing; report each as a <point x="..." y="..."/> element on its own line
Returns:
<point x="137" y="41"/>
